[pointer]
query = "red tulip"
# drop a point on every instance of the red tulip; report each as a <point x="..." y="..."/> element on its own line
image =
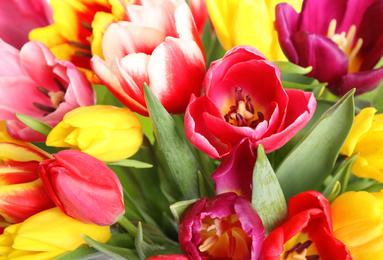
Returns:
<point x="222" y="227"/>
<point x="168" y="257"/>
<point x="245" y="99"/>
<point x="307" y="232"/>
<point x="160" y="46"/>
<point x="35" y="83"/>
<point x="83" y="187"/>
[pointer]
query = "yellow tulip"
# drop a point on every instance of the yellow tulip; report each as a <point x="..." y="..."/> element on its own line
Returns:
<point x="47" y="235"/>
<point x="105" y="132"/>
<point x="357" y="222"/>
<point x="366" y="139"/>
<point x="248" y="22"/>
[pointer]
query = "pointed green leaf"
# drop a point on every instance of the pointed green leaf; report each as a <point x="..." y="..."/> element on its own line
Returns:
<point x="144" y="249"/>
<point x="131" y="163"/>
<point x="288" y="67"/>
<point x="179" y="208"/>
<point x="35" y="124"/>
<point x="335" y="191"/>
<point x="182" y="164"/>
<point x="267" y="197"/>
<point x="297" y="81"/>
<point x="116" y="253"/>
<point x="313" y="159"/>
<point x="82" y="252"/>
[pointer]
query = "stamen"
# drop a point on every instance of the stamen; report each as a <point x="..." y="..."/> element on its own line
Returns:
<point x="205" y="226"/>
<point x="227" y="118"/>
<point x="350" y="37"/>
<point x="83" y="54"/>
<point x="249" y="105"/>
<point x="208" y="243"/>
<point x="312" y="257"/>
<point x="260" y="116"/>
<point x="240" y="120"/>
<point x="303" y="246"/>
<point x="80" y="45"/>
<point x="44" y="107"/>
<point x="43" y="90"/>
<point x="331" y="28"/>
<point x="243" y="111"/>
<point x="232" y="244"/>
<point x="87" y="26"/>
<point x="301" y="256"/>
<point x="238" y="96"/>
<point x="59" y="84"/>
<point x="210" y="228"/>
<point x="355" y="50"/>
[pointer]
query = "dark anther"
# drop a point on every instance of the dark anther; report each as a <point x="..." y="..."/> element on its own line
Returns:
<point x="306" y="244"/>
<point x="261" y="117"/>
<point x="86" y="26"/>
<point x="227" y="117"/>
<point x="43" y="90"/>
<point x="240" y="120"/>
<point x="312" y="257"/>
<point x="238" y="96"/>
<point x="83" y="54"/>
<point x="59" y="84"/>
<point x="44" y="107"/>
<point x="249" y="105"/>
<point x="80" y="45"/>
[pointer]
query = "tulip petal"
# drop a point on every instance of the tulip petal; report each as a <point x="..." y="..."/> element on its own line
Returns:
<point x="10" y="55"/>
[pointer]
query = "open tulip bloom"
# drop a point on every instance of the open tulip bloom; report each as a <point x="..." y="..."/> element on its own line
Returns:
<point x="191" y="129"/>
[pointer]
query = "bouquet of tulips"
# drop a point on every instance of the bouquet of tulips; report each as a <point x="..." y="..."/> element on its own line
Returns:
<point x="191" y="130"/>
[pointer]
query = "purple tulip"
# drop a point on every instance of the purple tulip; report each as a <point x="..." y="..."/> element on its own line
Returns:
<point x="342" y="40"/>
<point x="222" y="227"/>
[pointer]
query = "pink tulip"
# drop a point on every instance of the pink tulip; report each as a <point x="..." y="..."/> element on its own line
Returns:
<point x="222" y="227"/>
<point x="160" y="46"/>
<point x="168" y="257"/>
<point x="19" y="17"/>
<point x="244" y="98"/>
<point x="35" y="83"/>
<point x="83" y="187"/>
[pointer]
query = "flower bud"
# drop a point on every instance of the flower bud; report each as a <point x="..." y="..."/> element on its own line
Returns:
<point x="105" y="132"/>
<point x="83" y="187"/>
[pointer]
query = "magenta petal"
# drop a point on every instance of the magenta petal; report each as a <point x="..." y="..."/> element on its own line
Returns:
<point x="235" y="172"/>
<point x="320" y="52"/>
<point x="362" y="81"/>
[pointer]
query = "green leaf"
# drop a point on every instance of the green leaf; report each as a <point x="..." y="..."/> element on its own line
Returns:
<point x="131" y="163"/>
<point x="116" y="253"/>
<point x="144" y="249"/>
<point x="288" y="67"/>
<point x="335" y="191"/>
<point x="267" y="196"/>
<point x="297" y="81"/>
<point x="183" y="167"/>
<point x="179" y="208"/>
<point x="313" y="159"/>
<point x="379" y="64"/>
<point x="35" y="124"/>
<point x="82" y="252"/>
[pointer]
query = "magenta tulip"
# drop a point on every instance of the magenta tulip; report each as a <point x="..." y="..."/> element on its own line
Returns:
<point x="159" y="46"/>
<point x="222" y="227"/>
<point x="342" y="40"/>
<point x="83" y="187"/>
<point x="244" y="98"/>
<point x="35" y="83"/>
<point x="19" y="17"/>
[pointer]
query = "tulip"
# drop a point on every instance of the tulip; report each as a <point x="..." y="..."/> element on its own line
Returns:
<point x="198" y="9"/>
<point x="164" y="51"/>
<point x="22" y="193"/>
<point x="34" y="83"/>
<point x="357" y="221"/>
<point x="366" y="139"/>
<point x="307" y="234"/>
<point x="105" y="132"/>
<point x="18" y="18"/>
<point x="168" y="257"/>
<point x="83" y="187"/>
<point x="222" y="227"/>
<point x="47" y="235"/>
<point x="77" y="29"/>
<point x="249" y="22"/>
<point x="244" y="98"/>
<point x="339" y="39"/>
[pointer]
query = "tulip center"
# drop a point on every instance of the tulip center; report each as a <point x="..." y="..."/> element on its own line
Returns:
<point x="300" y="248"/>
<point x="224" y="238"/>
<point x="55" y="98"/>
<point x="344" y="41"/>
<point x="242" y="113"/>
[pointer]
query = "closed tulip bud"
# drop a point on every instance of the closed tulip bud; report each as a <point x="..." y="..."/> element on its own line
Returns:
<point x="47" y="235"/>
<point x="105" y="132"/>
<point x="83" y="187"/>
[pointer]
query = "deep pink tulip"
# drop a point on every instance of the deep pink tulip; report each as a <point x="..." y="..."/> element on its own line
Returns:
<point x="245" y="99"/>
<point x="35" y="83"/>
<point x="342" y="40"/>
<point x="160" y="45"/>
<point x="235" y="172"/>
<point x="19" y="17"/>
<point x="222" y="227"/>
<point x="83" y="187"/>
